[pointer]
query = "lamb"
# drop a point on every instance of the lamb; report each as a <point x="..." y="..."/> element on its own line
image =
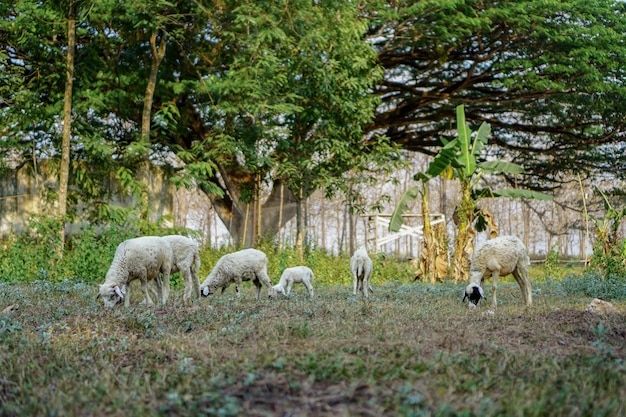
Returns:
<point x="497" y="257"/>
<point x="361" y="268"/>
<point x="244" y="265"/>
<point x="186" y="259"/>
<point x="142" y="258"/>
<point x="293" y="275"/>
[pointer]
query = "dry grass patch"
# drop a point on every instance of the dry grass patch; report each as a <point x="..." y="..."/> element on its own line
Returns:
<point x="412" y="350"/>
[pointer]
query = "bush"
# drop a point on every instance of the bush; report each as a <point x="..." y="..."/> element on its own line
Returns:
<point x="32" y="256"/>
<point x="593" y="285"/>
<point x="329" y="269"/>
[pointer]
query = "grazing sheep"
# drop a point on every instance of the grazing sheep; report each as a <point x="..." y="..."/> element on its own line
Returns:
<point x="186" y="259"/>
<point x="244" y="265"/>
<point x="361" y="268"/>
<point x="497" y="257"/>
<point x="293" y="275"/>
<point x="142" y="258"/>
<point x="598" y="306"/>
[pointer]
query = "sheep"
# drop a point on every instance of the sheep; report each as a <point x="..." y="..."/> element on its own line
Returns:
<point x="598" y="306"/>
<point x="293" y="275"/>
<point x="361" y="268"/>
<point x="186" y="259"/>
<point x="244" y="265"/>
<point x="142" y="258"/>
<point x="498" y="257"/>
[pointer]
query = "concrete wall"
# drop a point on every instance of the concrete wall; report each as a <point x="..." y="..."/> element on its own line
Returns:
<point x="24" y="193"/>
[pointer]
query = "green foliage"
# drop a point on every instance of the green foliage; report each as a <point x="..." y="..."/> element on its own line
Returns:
<point x="32" y="256"/>
<point x="611" y="262"/>
<point x="329" y="269"/>
<point x="609" y="251"/>
<point x="594" y="285"/>
<point x="500" y="59"/>
<point x="460" y="159"/>
<point x="552" y="264"/>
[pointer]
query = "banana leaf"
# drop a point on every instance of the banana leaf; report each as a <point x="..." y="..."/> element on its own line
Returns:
<point x="396" y="218"/>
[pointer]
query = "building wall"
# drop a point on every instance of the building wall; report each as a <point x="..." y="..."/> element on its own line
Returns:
<point x="24" y="192"/>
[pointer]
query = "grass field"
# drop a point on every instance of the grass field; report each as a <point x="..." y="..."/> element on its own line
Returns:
<point x="412" y="350"/>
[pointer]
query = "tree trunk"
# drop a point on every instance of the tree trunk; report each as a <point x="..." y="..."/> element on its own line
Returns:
<point x="259" y="207"/>
<point x="323" y="223"/>
<point x="144" y="171"/>
<point x="464" y="246"/>
<point x="67" y="125"/>
<point x="280" y="214"/>
<point x="300" y="227"/>
<point x="232" y="211"/>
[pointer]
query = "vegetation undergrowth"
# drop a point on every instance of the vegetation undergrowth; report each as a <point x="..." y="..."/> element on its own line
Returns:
<point x="411" y="350"/>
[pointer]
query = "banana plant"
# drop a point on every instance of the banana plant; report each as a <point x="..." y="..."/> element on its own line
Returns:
<point x="606" y="231"/>
<point x="460" y="159"/>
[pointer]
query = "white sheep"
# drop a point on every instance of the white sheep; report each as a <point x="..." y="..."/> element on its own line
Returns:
<point x="361" y="268"/>
<point x="498" y="257"/>
<point x="142" y="258"/>
<point x="296" y="274"/>
<point x="244" y="265"/>
<point x="186" y="259"/>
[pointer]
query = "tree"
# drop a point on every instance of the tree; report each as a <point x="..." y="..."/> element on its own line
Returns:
<point x="460" y="159"/>
<point x="608" y="249"/>
<point x="67" y="121"/>
<point x="547" y="76"/>
<point x="229" y="89"/>
<point x="291" y="86"/>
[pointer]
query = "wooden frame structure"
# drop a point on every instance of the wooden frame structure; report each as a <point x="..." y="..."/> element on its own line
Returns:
<point x="377" y="238"/>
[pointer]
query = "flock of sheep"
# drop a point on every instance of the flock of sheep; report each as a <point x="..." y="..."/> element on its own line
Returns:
<point x="153" y="259"/>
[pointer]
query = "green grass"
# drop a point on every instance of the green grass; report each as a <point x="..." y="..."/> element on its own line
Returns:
<point x="412" y="350"/>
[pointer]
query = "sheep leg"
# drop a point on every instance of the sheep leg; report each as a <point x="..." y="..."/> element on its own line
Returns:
<point x="524" y="284"/>
<point x="186" y="273"/>
<point x="366" y="286"/>
<point x="258" y="286"/>
<point x="195" y="281"/>
<point x="237" y="285"/>
<point x="127" y="296"/>
<point x="149" y="288"/>
<point x="165" y="286"/>
<point x="289" y="285"/>
<point x="354" y="285"/>
<point x="265" y="279"/>
<point x="494" y="286"/>
<point x="308" y="286"/>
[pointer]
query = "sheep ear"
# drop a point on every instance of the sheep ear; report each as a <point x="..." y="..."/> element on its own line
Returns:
<point x="118" y="292"/>
<point x="482" y="294"/>
<point x="124" y="289"/>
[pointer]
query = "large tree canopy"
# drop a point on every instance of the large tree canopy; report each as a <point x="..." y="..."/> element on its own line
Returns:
<point x="547" y="75"/>
<point x="252" y="95"/>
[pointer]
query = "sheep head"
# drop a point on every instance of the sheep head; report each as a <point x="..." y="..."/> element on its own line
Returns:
<point x="111" y="294"/>
<point x="278" y="289"/>
<point x="474" y="293"/>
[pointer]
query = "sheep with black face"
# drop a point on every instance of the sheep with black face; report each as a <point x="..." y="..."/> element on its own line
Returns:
<point x="498" y="257"/>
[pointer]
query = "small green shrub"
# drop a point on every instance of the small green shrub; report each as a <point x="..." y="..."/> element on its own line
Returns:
<point x="593" y="284"/>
